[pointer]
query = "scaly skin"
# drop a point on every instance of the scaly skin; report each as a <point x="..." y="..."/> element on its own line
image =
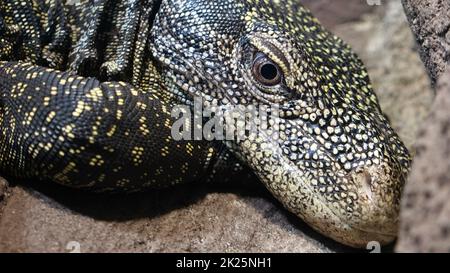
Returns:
<point x="332" y="159"/>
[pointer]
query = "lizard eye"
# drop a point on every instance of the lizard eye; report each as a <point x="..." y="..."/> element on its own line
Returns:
<point x="266" y="71"/>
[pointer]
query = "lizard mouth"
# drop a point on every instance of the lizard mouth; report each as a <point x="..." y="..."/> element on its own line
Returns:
<point x="374" y="211"/>
<point x="372" y="220"/>
<point x="352" y="235"/>
<point x="366" y="211"/>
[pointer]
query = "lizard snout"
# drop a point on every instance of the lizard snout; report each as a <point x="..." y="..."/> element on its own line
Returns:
<point x="376" y="205"/>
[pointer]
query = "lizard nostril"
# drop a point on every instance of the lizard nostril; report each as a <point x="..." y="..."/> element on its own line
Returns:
<point x="367" y="183"/>
<point x="364" y="180"/>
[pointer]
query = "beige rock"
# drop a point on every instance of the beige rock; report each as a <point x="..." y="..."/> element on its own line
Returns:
<point x="430" y="22"/>
<point x="425" y="217"/>
<point x="425" y="211"/>
<point x="190" y="218"/>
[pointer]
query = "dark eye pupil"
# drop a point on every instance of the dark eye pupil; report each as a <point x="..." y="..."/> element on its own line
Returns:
<point x="269" y="72"/>
<point x="265" y="71"/>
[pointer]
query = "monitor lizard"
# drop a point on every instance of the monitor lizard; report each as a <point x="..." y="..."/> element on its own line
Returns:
<point x="87" y="91"/>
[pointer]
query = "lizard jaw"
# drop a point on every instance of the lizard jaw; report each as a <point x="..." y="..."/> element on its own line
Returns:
<point x="372" y="215"/>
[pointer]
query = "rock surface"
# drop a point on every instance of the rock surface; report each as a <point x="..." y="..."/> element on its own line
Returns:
<point x="47" y="218"/>
<point x="430" y="21"/>
<point x="184" y="219"/>
<point x="337" y="12"/>
<point x="425" y="225"/>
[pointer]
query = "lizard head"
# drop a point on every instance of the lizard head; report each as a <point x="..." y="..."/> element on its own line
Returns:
<point x="330" y="155"/>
